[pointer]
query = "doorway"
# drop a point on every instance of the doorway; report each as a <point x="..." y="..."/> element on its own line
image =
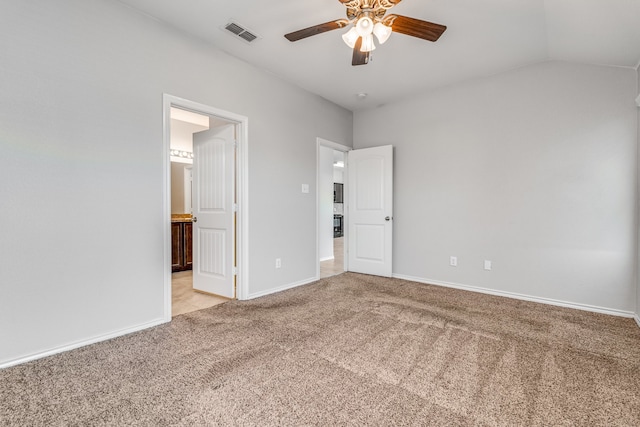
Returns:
<point x="206" y="239"/>
<point x="331" y="208"/>
<point x="187" y="129"/>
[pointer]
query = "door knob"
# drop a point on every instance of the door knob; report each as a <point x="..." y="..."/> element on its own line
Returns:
<point x="194" y="219"/>
<point x="388" y="218"/>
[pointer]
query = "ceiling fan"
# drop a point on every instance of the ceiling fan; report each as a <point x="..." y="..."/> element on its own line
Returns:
<point x="368" y="19"/>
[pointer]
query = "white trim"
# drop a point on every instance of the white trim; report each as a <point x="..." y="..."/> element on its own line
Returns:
<point x="242" y="209"/>
<point x="166" y="204"/>
<point x="242" y="195"/>
<point x="333" y="145"/>
<point x="548" y="301"/>
<point x="637" y="319"/>
<point x="320" y="142"/>
<point x="282" y="288"/>
<point x="329" y="258"/>
<point x="82" y="343"/>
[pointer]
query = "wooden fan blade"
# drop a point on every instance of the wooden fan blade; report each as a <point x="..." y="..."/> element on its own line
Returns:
<point x="316" y="29"/>
<point x="359" y="58"/>
<point x="415" y="27"/>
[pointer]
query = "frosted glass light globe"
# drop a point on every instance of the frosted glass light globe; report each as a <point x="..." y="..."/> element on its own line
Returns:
<point x="351" y="37"/>
<point x="364" y="26"/>
<point x="367" y="43"/>
<point x="382" y="32"/>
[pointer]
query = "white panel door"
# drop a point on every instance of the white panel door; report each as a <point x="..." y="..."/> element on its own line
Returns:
<point x="370" y="214"/>
<point x="213" y="200"/>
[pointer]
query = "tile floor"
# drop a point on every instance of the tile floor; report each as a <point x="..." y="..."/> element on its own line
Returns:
<point x="335" y="265"/>
<point x="184" y="299"/>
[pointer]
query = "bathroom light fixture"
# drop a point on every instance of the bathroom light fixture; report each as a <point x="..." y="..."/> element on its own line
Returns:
<point x="182" y="154"/>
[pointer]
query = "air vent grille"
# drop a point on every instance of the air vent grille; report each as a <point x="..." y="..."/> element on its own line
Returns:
<point x="248" y="36"/>
<point x="241" y="32"/>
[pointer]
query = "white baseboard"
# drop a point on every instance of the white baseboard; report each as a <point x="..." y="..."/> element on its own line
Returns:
<point x="81" y="343"/>
<point x="548" y="301"/>
<point x="282" y="288"/>
<point x="329" y="258"/>
<point x="637" y="318"/>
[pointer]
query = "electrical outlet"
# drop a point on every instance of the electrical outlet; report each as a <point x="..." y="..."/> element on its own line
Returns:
<point x="453" y="261"/>
<point x="278" y="263"/>
<point x="487" y="265"/>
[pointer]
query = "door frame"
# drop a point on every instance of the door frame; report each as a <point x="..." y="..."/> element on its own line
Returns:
<point x="320" y="142"/>
<point x="241" y="124"/>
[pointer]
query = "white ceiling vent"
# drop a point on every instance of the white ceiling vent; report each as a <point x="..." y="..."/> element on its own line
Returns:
<point x="241" y="32"/>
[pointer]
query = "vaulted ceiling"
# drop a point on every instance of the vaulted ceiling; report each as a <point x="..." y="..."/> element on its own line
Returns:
<point x="483" y="37"/>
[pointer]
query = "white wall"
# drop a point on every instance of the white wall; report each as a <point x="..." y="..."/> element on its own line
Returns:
<point x="533" y="169"/>
<point x="82" y="167"/>
<point x="638" y="269"/>
<point x="182" y="135"/>
<point x="325" y="202"/>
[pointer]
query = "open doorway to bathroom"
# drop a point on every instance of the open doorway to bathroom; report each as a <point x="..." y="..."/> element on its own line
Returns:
<point x="184" y="125"/>
<point x="215" y="215"/>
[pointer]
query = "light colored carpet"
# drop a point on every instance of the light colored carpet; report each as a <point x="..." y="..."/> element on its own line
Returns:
<point x="347" y="350"/>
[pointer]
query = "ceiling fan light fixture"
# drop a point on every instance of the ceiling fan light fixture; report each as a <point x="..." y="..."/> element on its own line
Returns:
<point x="367" y="43"/>
<point x="382" y="32"/>
<point x="351" y="37"/>
<point x="364" y="26"/>
<point x="366" y="18"/>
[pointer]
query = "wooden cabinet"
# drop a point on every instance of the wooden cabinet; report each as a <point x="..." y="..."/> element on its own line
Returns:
<point x="181" y="246"/>
<point x="188" y="245"/>
<point x="176" y="246"/>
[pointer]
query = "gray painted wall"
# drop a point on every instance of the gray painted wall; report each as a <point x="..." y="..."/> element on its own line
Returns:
<point x="638" y="269"/>
<point x="82" y="167"/>
<point x="533" y="169"/>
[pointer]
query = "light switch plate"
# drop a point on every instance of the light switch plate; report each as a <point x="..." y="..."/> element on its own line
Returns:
<point x="305" y="188"/>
